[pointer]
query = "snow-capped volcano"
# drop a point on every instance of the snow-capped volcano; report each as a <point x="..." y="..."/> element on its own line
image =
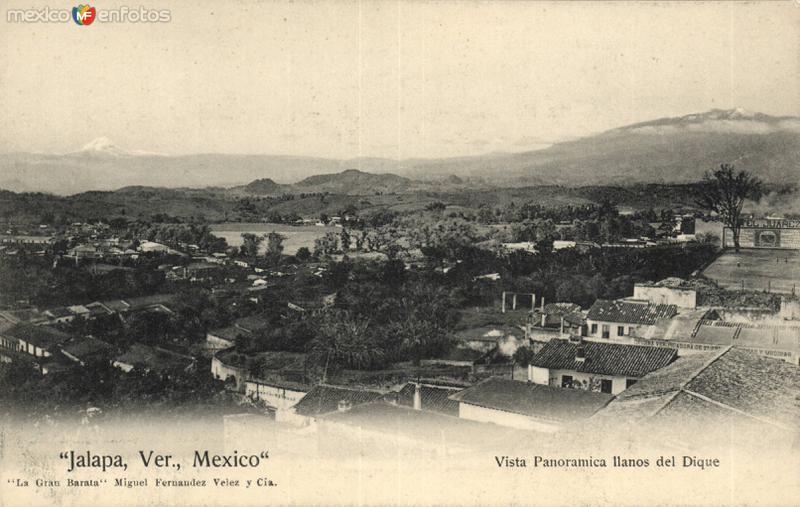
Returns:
<point x="105" y="147"/>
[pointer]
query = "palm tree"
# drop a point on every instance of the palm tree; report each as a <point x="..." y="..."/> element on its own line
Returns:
<point x="343" y="340"/>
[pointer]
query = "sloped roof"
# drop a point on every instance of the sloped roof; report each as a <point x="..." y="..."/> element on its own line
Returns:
<point x="323" y="399"/>
<point x="154" y="358"/>
<point x="603" y="358"/>
<point x="226" y="333"/>
<point x="86" y="348"/>
<point x="729" y="381"/>
<point x="434" y="398"/>
<point x="40" y="336"/>
<point x="535" y="400"/>
<point x="629" y="312"/>
<point x="252" y="323"/>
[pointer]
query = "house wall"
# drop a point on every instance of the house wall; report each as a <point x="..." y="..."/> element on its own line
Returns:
<point x="222" y="371"/>
<point x="589" y="381"/>
<point x="32" y="349"/>
<point x="489" y="415"/>
<point x="278" y="397"/>
<point x="764" y="237"/>
<point x="629" y="329"/>
<point x="217" y="343"/>
<point x="682" y="298"/>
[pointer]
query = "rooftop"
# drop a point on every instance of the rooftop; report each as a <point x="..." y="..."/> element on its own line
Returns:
<point x="86" y="348"/>
<point x="630" y="312"/>
<point x="603" y="358"/>
<point x="252" y="323"/>
<point x="535" y="400"/>
<point x="154" y="358"/>
<point x="433" y="398"/>
<point x="40" y="336"/>
<point x="324" y="399"/>
<point x="729" y="381"/>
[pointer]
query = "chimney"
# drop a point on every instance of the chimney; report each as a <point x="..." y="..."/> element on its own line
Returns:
<point x="344" y="405"/>
<point x="580" y="354"/>
<point x="544" y="319"/>
<point x="417" y="396"/>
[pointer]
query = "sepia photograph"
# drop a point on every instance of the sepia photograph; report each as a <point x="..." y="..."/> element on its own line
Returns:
<point x="399" y="252"/>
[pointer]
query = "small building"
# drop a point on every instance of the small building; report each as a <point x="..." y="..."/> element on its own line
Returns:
<point x="59" y="315"/>
<point x="79" y="311"/>
<point x="152" y="246"/>
<point x="729" y="390"/>
<point x="527" y="406"/>
<point x="16" y="239"/>
<point x="486" y="338"/>
<point x="37" y="341"/>
<point x="86" y="350"/>
<point x="324" y="399"/>
<point x="426" y="396"/>
<point x="279" y="395"/>
<point x="223" y="338"/>
<point x="596" y="366"/>
<point x="625" y="317"/>
<point x="251" y="324"/>
<point x="670" y="291"/>
<point x="154" y="359"/>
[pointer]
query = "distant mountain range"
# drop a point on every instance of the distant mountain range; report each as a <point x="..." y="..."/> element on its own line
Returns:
<point x="666" y="150"/>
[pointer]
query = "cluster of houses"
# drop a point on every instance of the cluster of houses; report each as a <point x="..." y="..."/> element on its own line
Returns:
<point x="638" y="363"/>
<point x="33" y="335"/>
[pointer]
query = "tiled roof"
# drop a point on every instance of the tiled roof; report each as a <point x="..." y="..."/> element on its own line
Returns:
<point x="558" y="309"/>
<point x="324" y="399"/>
<point x="86" y="348"/>
<point x="252" y="323"/>
<point x="40" y="336"/>
<point x="603" y="358"/>
<point x="773" y="337"/>
<point x="434" y="398"/>
<point x="731" y="381"/>
<point x="227" y="333"/>
<point x="154" y="358"/>
<point x="535" y="400"/>
<point x="144" y="302"/>
<point x="59" y="312"/>
<point x="629" y="312"/>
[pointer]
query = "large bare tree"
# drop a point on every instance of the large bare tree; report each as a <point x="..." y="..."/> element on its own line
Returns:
<point x="725" y="191"/>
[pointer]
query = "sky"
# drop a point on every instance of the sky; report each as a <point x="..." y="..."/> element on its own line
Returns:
<point x="386" y="79"/>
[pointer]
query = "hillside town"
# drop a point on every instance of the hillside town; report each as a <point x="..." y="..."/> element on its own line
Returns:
<point x="422" y="322"/>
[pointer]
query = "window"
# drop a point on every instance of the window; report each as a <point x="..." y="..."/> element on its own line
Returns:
<point x="606" y="331"/>
<point x="566" y="380"/>
<point x="594" y="329"/>
<point x="620" y="330"/>
<point x="605" y="386"/>
<point x="629" y="382"/>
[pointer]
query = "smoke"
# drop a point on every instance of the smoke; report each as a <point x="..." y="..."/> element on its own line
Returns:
<point x="781" y="203"/>
<point x="508" y="345"/>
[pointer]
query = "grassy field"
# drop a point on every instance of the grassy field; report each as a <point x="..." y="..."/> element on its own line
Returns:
<point x="776" y="270"/>
<point x="296" y="236"/>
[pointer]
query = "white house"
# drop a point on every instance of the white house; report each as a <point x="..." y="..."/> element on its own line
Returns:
<point x="596" y="366"/>
<point x="151" y="246"/>
<point x="279" y="395"/>
<point x="625" y="317"/>
<point x="527" y="406"/>
<point x="670" y="291"/>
